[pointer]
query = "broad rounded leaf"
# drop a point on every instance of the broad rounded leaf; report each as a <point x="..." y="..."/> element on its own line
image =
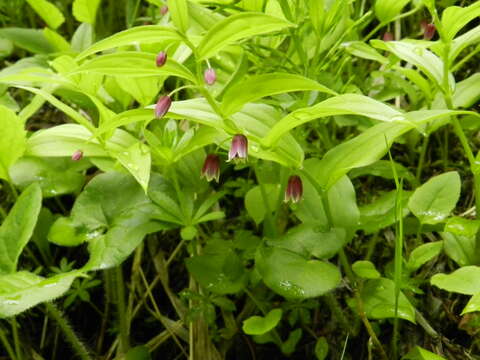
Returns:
<point x="365" y="269"/>
<point x="259" y="325"/>
<point x="465" y="280"/>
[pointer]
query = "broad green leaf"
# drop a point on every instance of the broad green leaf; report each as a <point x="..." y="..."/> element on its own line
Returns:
<point x="237" y="27"/>
<point x="378" y="297"/>
<point x="383" y="168"/>
<point x="65" y="232"/>
<point x="12" y="145"/>
<point x="140" y="352"/>
<point x="289" y="345"/>
<point x="147" y="34"/>
<point x="263" y="85"/>
<point x="381" y="213"/>
<point x="125" y="118"/>
<point x="310" y="209"/>
<point x="312" y="240"/>
<point x="467" y="92"/>
<point x="255" y="204"/>
<point x="461" y="249"/>
<point x="48" y="12"/>
<point x="418" y="353"/>
<point x="429" y="63"/>
<point x="454" y="18"/>
<point x="461" y="226"/>
<point x="137" y="160"/>
<point x="387" y="10"/>
<point x="82" y="37"/>
<point x="178" y="10"/>
<point x="339" y="105"/>
<point x="56" y="176"/>
<point x="294" y="277"/>
<point x="85" y="10"/>
<point x="364" y="51"/>
<point x="465" y="280"/>
<point x="432" y="202"/>
<point x="132" y="63"/>
<point x="142" y="89"/>
<point x="219" y="269"/>
<point x="370" y="146"/>
<point x="57" y="40"/>
<point x="473" y="304"/>
<point x="18" y="226"/>
<point x="29" y="39"/>
<point x="22" y="290"/>
<point x="458" y="44"/>
<point x="423" y="253"/>
<point x="259" y="325"/>
<point x="365" y="269"/>
<point x="343" y="204"/>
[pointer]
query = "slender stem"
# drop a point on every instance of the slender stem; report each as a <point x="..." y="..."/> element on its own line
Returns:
<point x="421" y="160"/>
<point x="7" y="345"/>
<point x="121" y="309"/>
<point x="70" y="335"/>
<point x="16" y="340"/>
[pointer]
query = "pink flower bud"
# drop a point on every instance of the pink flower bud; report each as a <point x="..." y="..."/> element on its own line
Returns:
<point x="77" y="155"/>
<point x="239" y="148"/>
<point x="388" y="36"/>
<point x="161" y="58"/>
<point x="163" y="104"/>
<point x="294" y="190"/>
<point x="164" y="9"/>
<point x="210" y="76"/>
<point x="429" y="32"/>
<point x="211" y="168"/>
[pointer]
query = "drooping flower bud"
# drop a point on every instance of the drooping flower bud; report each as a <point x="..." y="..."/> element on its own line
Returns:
<point x="239" y="148"/>
<point x="210" y="76"/>
<point x="211" y="168"/>
<point x="294" y="190"/>
<point x="161" y="58"/>
<point x="77" y="155"/>
<point x="388" y="36"/>
<point x="163" y="104"/>
<point x="164" y="9"/>
<point x="429" y="31"/>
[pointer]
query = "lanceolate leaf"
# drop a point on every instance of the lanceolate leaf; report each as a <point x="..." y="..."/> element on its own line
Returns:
<point x="137" y="35"/>
<point x="48" y="12"/>
<point x="237" y="27"/>
<point x="13" y="139"/>
<point x="132" y="63"/>
<point x="179" y="12"/>
<point x="455" y="17"/>
<point x="85" y="10"/>
<point x="17" y="228"/>
<point x="263" y="85"/>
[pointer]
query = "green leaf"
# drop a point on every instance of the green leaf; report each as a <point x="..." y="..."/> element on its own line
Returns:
<point x="461" y="249"/>
<point x="461" y="226"/>
<point x="263" y="85"/>
<point x="473" y="304"/>
<point x="454" y="18"/>
<point x="29" y="39"/>
<point x="432" y="202"/>
<point x="423" y="253"/>
<point x="147" y="34"/>
<point x="138" y="353"/>
<point x="255" y="204"/>
<point x="137" y="160"/>
<point x="65" y="232"/>
<point x="321" y="348"/>
<point x="57" y="41"/>
<point x="418" y="353"/>
<point x="339" y="105"/>
<point x="85" y="10"/>
<point x="378" y="296"/>
<point x="18" y="226"/>
<point x="132" y="63"/>
<point x="259" y="325"/>
<point x="293" y="276"/>
<point x="365" y="269"/>
<point x="55" y="176"/>
<point x="312" y="240"/>
<point x="83" y="37"/>
<point x="289" y="346"/>
<point x="237" y="27"/>
<point x="364" y="51"/>
<point x="467" y="92"/>
<point x="387" y="10"/>
<point x="13" y="143"/>
<point x="429" y="63"/>
<point x="178" y="10"/>
<point x="219" y="269"/>
<point x="465" y="280"/>
<point x="48" y="12"/>
<point x="343" y="204"/>
<point x="22" y="290"/>
<point x="458" y="44"/>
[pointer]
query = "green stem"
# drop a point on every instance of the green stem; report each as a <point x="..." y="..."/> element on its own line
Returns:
<point x="124" y="342"/>
<point x="7" y="345"/>
<point x="16" y="340"/>
<point x="70" y="335"/>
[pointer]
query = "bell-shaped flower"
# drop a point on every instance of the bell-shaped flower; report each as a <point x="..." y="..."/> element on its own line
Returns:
<point x="161" y="58"/>
<point x="77" y="155"/>
<point x="294" y="190"/>
<point x="239" y="148"/>
<point x="163" y="104"/>
<point x="211" y="168"/>
<point x="210" y="76"/>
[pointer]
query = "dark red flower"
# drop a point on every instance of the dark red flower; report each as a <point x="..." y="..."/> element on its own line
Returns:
<point x="210" y="76"/>
<point x="239" y="148"/>
<point x="211" y="168"/>
<point x="164" y="9"/>
<point x="294" y="190"/>
<point x="161" y="58"/>
<point x="163" y="104"/>
<point x="388" y="36"/>
<point x="77" y="155"/>
<point x="429" y="31"/>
